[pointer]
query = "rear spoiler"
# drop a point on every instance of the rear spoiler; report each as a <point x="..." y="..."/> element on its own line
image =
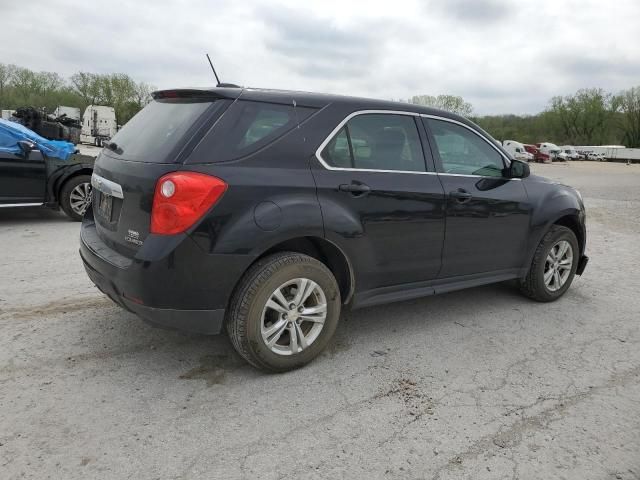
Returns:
<point x="226" y="92"/>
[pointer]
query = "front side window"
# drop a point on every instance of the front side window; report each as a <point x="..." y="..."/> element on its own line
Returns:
<point x="377" y="142"/>
<point x="463" y="152"/>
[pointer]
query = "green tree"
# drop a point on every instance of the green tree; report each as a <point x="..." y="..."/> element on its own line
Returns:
<point x="85" y="84"/>
<point x="6" y="75"/>
<point x="24" y="84"/>
<point x="20" y="87"/>
<point x="586" y="116"/>
<point x="630" y="106"/>
<point x="450" y="103"/>
<point x="143" y="94"/>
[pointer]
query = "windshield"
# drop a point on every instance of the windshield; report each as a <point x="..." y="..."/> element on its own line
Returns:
<point x="156" y="132"/>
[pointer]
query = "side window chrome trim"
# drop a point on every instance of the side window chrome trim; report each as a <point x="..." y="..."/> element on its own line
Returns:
<point x="343" y="123"/>
<point x="451" y="120"/>
<point x="477" y="176"/>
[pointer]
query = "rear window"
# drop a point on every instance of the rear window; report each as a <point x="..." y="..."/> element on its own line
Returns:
<point x="158" y="130"/>
<point x="248" y="126"/>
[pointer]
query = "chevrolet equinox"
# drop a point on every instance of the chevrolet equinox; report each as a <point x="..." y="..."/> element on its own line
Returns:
<point x="263" y="213"/>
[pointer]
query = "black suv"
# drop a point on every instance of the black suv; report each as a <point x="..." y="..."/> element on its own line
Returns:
<point x="263" y="213"/>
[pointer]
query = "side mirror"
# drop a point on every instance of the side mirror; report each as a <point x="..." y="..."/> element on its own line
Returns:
<point x="26" y="147"/>
<point x="519" y="169"/>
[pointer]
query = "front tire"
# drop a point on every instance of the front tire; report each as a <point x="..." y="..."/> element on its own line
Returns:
<point x="75" y="196"/>
<point x="553" y="267"/>
<point x="284" y="311"/>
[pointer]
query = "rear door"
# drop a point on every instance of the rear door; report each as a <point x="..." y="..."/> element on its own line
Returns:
<point x="22" y="178"/>
<point x="487" y="214"/>
<point x="380" y="201"/>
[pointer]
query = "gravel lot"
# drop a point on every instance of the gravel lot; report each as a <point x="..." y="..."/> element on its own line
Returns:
<point x="475" y="384"/>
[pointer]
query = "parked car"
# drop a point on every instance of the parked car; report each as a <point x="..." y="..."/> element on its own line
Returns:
<point x="598" y="157"/>
<point x="35" y="171"/>
<point x="265" y="213"/>
<point x="517" y="150"/>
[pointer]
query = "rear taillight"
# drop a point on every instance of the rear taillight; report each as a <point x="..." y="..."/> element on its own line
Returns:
<point x="181" y="198"/>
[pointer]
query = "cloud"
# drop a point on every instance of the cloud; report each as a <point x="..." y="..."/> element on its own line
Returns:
<point x="588" y="66"/>
<point x="319" y="45"/>
<point x="480" y="12"/>
<point x="500" y="56"/>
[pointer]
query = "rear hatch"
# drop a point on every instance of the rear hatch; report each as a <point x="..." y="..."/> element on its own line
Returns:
<point x="154" y="142"/>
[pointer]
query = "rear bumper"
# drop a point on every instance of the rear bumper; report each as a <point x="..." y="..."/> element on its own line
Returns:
<point x="189" y="295"/>
<point x="209" y="322"/>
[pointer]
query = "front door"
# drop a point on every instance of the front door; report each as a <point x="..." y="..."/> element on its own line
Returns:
<point x="488" y="215"/>
<point x="22" y="178"/>
<point x="379" y="201"/>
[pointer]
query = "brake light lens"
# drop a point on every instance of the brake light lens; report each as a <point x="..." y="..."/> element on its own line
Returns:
<point x="181" y="198"/>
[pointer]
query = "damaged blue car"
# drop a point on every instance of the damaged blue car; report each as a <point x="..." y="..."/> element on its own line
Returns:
<point x="35" y="171"/>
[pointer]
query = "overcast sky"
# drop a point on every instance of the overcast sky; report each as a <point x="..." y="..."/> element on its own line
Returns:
<point x="502" y="56"/>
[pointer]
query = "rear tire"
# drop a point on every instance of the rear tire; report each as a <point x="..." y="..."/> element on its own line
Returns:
<point x="73" y="196"/>
<point x="274" y="281"/>
<point x="553" y="268"/>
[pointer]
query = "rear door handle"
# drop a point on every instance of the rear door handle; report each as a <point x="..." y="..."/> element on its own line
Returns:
<point x="355" y="189"/>
<point x="461" y="195"/>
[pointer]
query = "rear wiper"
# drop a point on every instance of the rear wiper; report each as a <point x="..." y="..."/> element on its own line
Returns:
<point x="113" y="146"/>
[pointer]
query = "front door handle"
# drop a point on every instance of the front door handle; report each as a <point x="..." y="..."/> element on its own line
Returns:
<point x="355" y="189"/>
<point x="461" y="195"/>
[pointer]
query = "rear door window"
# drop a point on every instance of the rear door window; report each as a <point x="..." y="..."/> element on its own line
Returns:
<point x="248" y="126"/>
<point x="389" y="142"/>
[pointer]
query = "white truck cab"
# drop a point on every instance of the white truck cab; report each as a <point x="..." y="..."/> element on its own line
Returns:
<point x="571" y="152"/>
<point x="517" y="150"/>
<point x="552" y="151"/>
<point x="98" y="124"/>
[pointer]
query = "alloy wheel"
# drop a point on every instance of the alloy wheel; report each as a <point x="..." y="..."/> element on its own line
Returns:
<point x="293" y="316"/>
<point x="80" y="198"/>
<point x="557" y="266"/>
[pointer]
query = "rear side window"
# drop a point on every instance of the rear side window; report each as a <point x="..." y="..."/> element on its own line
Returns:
<point x="155" y="132"/>
<point x="248" y="126"/>
<point x="265" y="122"/>
<point x="377" y="142"/>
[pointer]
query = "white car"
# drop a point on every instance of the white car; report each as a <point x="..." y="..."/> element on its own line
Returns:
<point x="598" y="157"/>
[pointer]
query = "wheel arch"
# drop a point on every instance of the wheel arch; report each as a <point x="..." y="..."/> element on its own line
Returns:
<point x="572" y="222"/>
<point x="326" y="252"/>
<point x="569" y="218"/>
<point x="69" y="176"/>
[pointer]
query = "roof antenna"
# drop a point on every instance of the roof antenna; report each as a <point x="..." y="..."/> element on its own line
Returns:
<point x="214" y="70"/>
